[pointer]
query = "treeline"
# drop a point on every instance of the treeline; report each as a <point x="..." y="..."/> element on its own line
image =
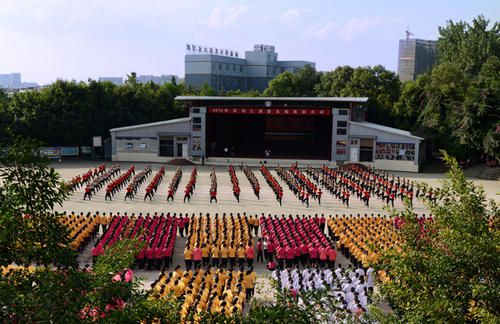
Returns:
<point x="70" y="113"/>
<point x="455" y="105"/>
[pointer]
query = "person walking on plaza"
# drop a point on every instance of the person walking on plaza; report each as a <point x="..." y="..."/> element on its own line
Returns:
<point x="250" y="253"/>
<point x="260" y="256"/>
<point x="197" y="257"/>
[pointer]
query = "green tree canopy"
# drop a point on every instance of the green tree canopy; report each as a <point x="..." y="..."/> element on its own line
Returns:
<point x="469" y="45"/>
<point x="447" y="270"/>
<point x="288" y="84"/>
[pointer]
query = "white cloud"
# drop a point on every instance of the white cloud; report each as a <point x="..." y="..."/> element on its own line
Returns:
<point x="293" y="13"/>
<point x="320" y="31"/>
<point x="323" y="31"/>
<point x="222" y="17"/>
<point x="358" y="26"/>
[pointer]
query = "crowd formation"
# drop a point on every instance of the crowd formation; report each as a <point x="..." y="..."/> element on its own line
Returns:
<point x="191" y="185"/>
<point x="101" y="179"/>
<point x="273" y="183"/>
<point x="206" y="290"/>
<point x="234" y="182"/>
<point x="82" y="228"/>
<point x="349" y="288"/>
<point x="174" y="184"/>
<point x="137" y="181"/>
<point x="157" y="232"/>
<point x="213" y="186"/>
<point x="153" y="185"/>
<point x="254" y="182"/>
<point x="219" y="241"/>
<point x="85" y="178"/>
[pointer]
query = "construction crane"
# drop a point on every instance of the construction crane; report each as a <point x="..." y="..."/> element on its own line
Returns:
<point x="408" y="33"/>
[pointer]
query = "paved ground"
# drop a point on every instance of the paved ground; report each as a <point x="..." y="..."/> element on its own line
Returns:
<point x="227" y="203"/>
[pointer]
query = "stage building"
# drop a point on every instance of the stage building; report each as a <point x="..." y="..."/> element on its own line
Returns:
<point x="315" y="130"/>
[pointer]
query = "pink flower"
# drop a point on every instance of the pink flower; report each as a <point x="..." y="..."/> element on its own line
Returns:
<point x="129" y="275"/>
<point x="117" y="278"/>
<point x="119" y="303"/>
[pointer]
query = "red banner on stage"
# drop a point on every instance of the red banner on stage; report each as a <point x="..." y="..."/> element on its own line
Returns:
<point x="272" y="111"/>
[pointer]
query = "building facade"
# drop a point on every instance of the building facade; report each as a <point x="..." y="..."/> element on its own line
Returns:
<point x="115" y="80"/>
<point x="10" y="80"/>
<point x="316" y="131"/>
<point x="230" y="72"/>
<point x="416" y="56"/>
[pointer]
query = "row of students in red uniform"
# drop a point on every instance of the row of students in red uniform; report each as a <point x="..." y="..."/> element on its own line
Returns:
<point x="79" y="181"/>
<point x="234" y="181"/>
<point x="191" y="185"/>
<point x="116" y="185"/>
<point x="153" y="185"/>
<point x="158" y="237"/>
<point x="183" y="222"/>
<point x="252" y="179"/>
<point x="174" y="184"/>
<point x="273" y="183"/>
<point x="98" y="182"/>
<point x="297" y="239"/>
<point x="213" y="186"/>
<point x="137" y="181"/>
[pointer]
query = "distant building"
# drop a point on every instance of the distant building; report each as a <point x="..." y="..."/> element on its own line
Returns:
<point x="225" y="70"/>
<point x="416" y="56"/>
<point x="160" y="80"/>
<point x="10" y="80"/>
<point x="115" y="80"/>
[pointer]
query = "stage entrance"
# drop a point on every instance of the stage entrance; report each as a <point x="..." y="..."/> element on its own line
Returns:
<point x="287" y="137"/>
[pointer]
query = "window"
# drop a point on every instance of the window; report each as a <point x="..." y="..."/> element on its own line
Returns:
<point x="196" y="111"/>
<point x="341" y="131"/>
<point x="234" y="67"/>
<point x="143" y="146"/>
<point x="220" y="66"/>
<point x="341" y="123"/>
<point x="196" y="124"/>
<point x="395" y="151"/>
<point x="354" y="142"/>
<point x="129" y="146"/>
<point x="166" y="146"/>
<point x="227" y="67"/>
<point x="343" y="112"/>
<point x="241" y="68"/>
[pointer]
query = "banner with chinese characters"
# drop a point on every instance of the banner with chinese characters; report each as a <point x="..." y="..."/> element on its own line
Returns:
<point x="272" y="111"/>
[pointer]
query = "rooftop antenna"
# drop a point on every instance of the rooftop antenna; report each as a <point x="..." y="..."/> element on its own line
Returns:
<point x="408" y="33"/>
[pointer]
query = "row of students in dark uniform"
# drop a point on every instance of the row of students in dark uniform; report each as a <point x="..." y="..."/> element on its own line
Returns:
<point x="174" y="184"/>
<point x="252" y="179"/>
<point x="100" y="181"/>
<point x="191" y="185"/>
<point x="137" y="181"/>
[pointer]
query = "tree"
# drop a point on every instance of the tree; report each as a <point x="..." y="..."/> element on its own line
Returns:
<point x="299" y="84"/>
<point x="30" y="189"/>
<point x="448" y="268"/>
<point x="207" y="90"/>
<point x="469" y="46"/>
<point x="382" y="87"/>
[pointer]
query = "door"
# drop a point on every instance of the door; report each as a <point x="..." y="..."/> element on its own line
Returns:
<point x="184" y="150"/>
<point x="179" y="149"/>
<point x="354" y="156"/>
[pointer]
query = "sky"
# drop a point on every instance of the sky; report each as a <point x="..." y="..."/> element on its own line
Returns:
<point x="79" y="39"/>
